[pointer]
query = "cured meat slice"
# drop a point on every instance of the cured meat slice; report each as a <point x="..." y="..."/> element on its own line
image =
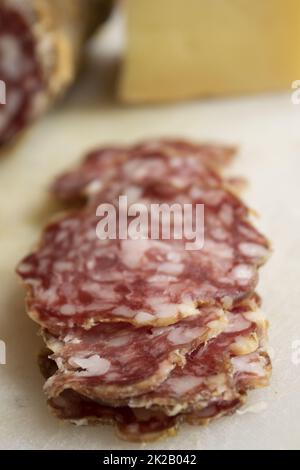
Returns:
<point x="134" y="425"/>
<point x="214" y="155"/>
<point x="76" y="279"/>
<point x="229" y="366"/>
<point x="98" y="169"/>
<point x="40" y="46"/>
<point x="212" y="371"/>
<point x="177" y="163"/>
<point x="147" y="425"/>
<point x="142" y="425"/>
<point x="113" y="361"/>
<point x="122" y="361"/>
<point x="143" y="332"/>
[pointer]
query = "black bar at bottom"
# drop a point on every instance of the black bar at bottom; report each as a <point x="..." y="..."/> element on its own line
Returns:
<point x="103" y="458"/>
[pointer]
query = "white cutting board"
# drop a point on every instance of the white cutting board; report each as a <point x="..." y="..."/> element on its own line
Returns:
<point x="267" y="129"/>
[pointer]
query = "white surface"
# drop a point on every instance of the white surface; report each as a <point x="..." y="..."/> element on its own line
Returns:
<point x="267" y="129"/>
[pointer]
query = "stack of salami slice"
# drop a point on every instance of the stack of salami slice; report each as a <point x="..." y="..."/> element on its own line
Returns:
<point x="144" y="333"/>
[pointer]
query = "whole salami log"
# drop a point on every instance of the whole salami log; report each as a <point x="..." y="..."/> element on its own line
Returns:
<point x="41" y="43"/>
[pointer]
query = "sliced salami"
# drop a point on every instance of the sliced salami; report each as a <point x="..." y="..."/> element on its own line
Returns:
<point x="132" y="425"/>
<point x="74" y="278"/>
<point x="216" y="371"/>
<point x="214" y="155"/>
<point x="113" y="361"/>
<point x="140" y="424"/>
<point x="77" y="409"/>
<point x="213" y="383"/>
<point x="168" y="166"/>
<point x="149" y="332"/>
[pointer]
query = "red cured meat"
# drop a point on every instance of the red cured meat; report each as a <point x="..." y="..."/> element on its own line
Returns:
<point x="20" y="71"/>
<point x="147" y="164"/>
<point x="117" y="360"/>
<point x="76" y="279"/>
<point x="145" y="333"/>
<point x="220" y="370"/>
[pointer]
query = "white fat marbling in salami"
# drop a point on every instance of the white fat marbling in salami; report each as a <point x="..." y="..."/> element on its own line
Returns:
<point x="134" y="424"/>
<point x="215" y="155"/>
<point x="115" y="360"/>
<point x="168" y="166"/>
<point x="144" y="425"/>
<point x="145" y="333"/>
<point x="213" y="382"/>
<point x="76" y="279"/>
<point x="218" y="371"/>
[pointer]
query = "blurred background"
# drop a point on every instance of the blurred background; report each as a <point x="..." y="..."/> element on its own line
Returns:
<point x="137" y="53"/>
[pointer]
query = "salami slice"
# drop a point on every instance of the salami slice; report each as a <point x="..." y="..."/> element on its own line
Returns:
<point x="142" y="425"/>
<point x="213" y="383"/>
<point x="113" y="361"/>
<point x="40" y="46"/>
<point x="208" y="373"/>
<point x="77" y="409"/>
<point x="216" y="371"/>
<point x="76" y="279"/>
<point x="215" y="155"/>
<point x="98" y="169"/>
<point x="178" y="165"/>
<point x="134" y="425"/>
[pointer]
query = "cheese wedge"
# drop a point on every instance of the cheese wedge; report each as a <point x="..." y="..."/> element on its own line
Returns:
<point x="181" y="49"/>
